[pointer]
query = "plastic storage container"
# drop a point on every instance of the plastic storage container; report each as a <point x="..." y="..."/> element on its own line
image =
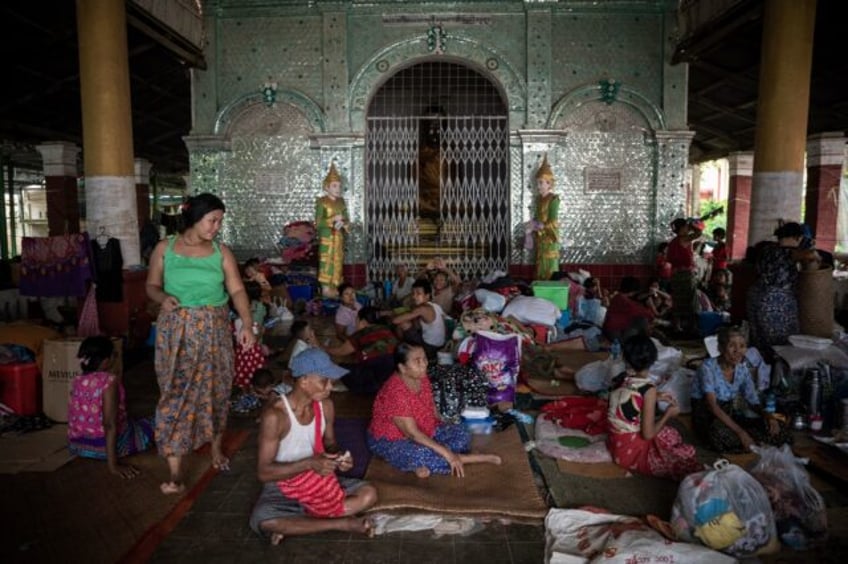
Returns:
<point x="553" y="291"/>
<point x="300" y="292"/>
<point x="481" y="426"/>
<point x="19" y="387"/>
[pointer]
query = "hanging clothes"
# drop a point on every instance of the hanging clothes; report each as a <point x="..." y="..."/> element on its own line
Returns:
<point x="55" y="266"/>
<point x="108" y="267"/>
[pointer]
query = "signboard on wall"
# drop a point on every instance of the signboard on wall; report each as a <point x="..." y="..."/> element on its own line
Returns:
<point x="602" y="179"/>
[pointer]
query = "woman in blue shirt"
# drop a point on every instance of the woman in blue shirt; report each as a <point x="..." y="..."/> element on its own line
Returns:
<point x="726" y="409"/>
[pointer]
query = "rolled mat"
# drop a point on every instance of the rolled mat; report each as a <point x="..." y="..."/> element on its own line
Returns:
<point x="815" y="302"/>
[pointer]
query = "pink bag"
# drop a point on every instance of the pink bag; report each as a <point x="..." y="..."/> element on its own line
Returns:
<point x="89" y="323"/>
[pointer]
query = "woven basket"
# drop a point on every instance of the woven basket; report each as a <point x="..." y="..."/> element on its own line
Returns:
<point x="815" y="302"/>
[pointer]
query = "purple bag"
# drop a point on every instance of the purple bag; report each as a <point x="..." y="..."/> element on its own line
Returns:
<point x="498" y="358"/>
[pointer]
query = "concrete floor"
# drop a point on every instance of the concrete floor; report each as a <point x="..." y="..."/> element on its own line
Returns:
<point x="216" y="528"/>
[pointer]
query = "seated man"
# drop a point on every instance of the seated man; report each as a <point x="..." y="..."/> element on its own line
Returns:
<point x="626" y="316"/>
<point x="373" y="346"/>
<point x="425" y="324"/>
<point x="301" y="493"/>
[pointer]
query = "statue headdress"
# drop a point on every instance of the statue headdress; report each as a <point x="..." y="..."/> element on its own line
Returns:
<point x="332" y="176"/>
<point x="545" y="171"/>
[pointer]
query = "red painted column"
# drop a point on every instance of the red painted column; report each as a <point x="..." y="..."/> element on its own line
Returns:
<point x="740" y="172"/>
<point x="825" y="159"/>
<point x="60" y="179"/>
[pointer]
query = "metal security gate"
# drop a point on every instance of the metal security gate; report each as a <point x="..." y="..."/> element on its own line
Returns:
<point x="391" y="194"/>
<point x="437" y="171"/>
<point x="449" y="200"/>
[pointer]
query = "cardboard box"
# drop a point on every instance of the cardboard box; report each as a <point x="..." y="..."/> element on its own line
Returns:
<point x="59" y="369"/>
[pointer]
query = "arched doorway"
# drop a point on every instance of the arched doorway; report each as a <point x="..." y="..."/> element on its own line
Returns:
<point x="437" y="171"/>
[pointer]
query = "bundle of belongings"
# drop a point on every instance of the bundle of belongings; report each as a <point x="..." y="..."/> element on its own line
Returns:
<point x="299" y="244"/>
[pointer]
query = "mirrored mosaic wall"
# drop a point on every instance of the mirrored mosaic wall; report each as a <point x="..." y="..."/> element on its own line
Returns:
<point x="582" y="81"/>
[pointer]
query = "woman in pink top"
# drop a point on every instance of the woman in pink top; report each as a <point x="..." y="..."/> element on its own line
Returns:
<point x="407" y="432"/>
<point x="98" y="426"/>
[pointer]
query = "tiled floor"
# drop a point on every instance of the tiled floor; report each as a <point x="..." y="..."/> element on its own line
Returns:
<point x="216" y="530"/>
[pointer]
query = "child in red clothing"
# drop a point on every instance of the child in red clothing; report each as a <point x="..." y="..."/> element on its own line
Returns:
<point x="720" y="254"/>
<point x="663" y="267"/>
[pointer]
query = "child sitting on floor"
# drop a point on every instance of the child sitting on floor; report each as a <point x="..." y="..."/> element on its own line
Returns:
<point x="98" y="426"/>
<point x="303" y="337"/>
<point x="262" y="388"/>
<point x="637" y="440"/>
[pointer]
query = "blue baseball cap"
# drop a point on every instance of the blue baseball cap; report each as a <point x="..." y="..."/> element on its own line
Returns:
<point x="317" y="362"/>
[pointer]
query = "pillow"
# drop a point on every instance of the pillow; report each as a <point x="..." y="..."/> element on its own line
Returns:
<point x="530" y="309"/>
<point x="490" y="301"/>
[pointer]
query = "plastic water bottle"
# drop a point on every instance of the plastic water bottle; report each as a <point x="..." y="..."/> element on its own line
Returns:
<point x="771" y="403"/>
<point x="615" y="350"/>
<point x="387" y="290"/>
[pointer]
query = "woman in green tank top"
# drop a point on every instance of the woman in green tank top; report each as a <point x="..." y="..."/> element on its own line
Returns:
<point x="193" y="277"/>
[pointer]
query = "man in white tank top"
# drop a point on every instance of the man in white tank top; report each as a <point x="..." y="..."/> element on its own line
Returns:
<point x="425" y="324"/>
<point x="296" y="437"/>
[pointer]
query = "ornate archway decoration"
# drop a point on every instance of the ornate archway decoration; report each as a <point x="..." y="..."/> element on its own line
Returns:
<point x="573" y="100"/>
<point x="311" y="111"/>
<point x="385" y="63"/>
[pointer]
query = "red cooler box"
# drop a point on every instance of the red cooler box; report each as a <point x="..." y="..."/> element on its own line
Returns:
<point x="20" y="385"/>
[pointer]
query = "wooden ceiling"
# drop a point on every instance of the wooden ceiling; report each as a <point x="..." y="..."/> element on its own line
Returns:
<point x="724" y="67"/>
<point x="40" y="98"/>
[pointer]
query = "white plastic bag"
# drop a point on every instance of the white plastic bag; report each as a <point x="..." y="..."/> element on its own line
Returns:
<point x="530" y="309"/>
<point x="679" y="385"/>
<point x="725" y="509"/>
<point x="596" y="376"/>
<point x="575" y="535"/>
<point x="799" y="510"/>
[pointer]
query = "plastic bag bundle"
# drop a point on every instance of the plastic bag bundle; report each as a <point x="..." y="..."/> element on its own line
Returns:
<point x="498" y="358"/>
<point x="799" y="510"/>
<point x="725" y="509"/>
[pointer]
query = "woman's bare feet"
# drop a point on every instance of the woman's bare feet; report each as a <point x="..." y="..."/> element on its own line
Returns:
<point x="362" y="525"/>
<point x="170" y="488"/>
<point x="422" y="472"/>
<point x="221" y="463"/>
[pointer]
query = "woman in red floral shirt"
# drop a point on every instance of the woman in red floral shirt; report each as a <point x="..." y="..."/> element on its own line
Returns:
<point x="407" y="432"/>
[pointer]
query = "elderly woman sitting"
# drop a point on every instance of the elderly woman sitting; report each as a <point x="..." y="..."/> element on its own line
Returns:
<point x="726" y="410"/>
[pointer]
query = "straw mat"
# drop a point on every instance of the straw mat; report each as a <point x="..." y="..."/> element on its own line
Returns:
<point x="508" y="490"/>
<point x="600" y="470"/>
<point x="82" y="513"/>
<point x="37" y="451"/>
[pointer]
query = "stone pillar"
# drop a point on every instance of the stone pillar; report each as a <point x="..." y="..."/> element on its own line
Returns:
<point x="672" y="168"/>
<point x="142" y="190"/>
<point x="784" y="98"/>
<point x="740" y="170"/>
<point x="335" y="69"/>
<point x="110" y="198"/>
<point x="825" y="159"/>
<point x="538" y="66"/>
<point x="59" y="161"/>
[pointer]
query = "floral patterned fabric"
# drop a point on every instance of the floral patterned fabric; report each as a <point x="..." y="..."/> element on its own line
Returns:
<point x="772" y="307"/>
<point x="194" y="368"/>
<point x="665" y="455"/>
